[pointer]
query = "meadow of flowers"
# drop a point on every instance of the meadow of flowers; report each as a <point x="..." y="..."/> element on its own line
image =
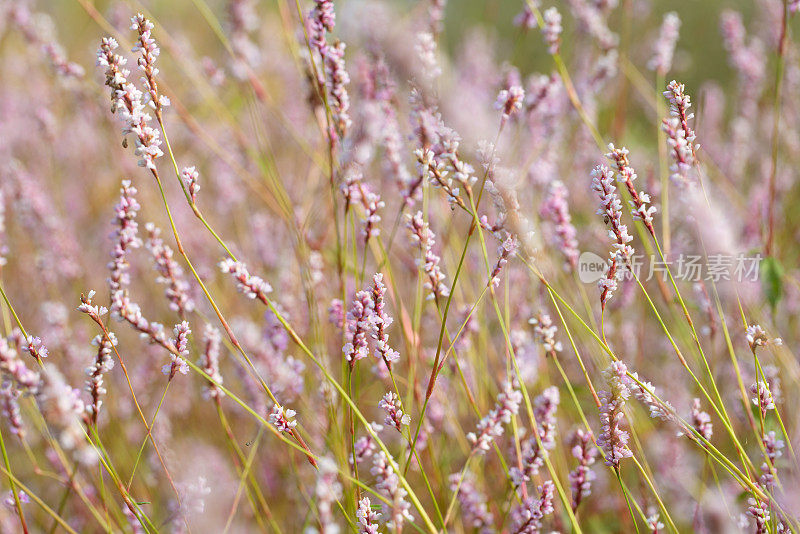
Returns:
<point x="377" y="266"/>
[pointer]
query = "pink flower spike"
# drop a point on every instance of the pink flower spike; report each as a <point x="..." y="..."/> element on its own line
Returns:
<point x="394" y="413"/>
<point x="282" y="419"/>
<point x="552" y="30"/>
<point x="189" y="175"/>
<point x="252" y="286"/>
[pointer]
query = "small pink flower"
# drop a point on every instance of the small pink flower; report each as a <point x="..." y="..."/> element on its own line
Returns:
<point x="252" y="286"/>
<point x="189" y="175"/>
<point x="510" y="100"/>
<point x="394" y="414"/>
<point x="282" y="419"/>
<point x="552" y="29"/>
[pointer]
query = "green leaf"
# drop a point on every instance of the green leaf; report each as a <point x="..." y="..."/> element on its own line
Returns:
<point x="772" y="280"/>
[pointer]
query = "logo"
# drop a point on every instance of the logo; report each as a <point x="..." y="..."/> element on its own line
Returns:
<point x="591" y="267"/>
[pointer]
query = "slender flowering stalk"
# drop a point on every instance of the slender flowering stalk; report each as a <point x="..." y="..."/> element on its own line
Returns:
<point x="506" y="250"/>
<point x="423" y="236"/>
<point x="592" y="18"/>
<point x="65" y="412"/>
<point x="551" y="31"/>
<point x="704" y="302"/>
<point x="116" y="73"/>
<point x="190" y="177"/>
<point x="611" y="210"/>
<point x="436" y="11"/>
<point x="368" y="519"/>
<point x="527" y="517"/>
<point x="645" y="392"/>
<point x="426" y="50"/>
<point x="580" y="478"/>
<point x="681" y="152"/>
<point x="757" y="337"/>
<point x="252" y="286"/>
<point x="427" y="121"/>
<point x="127" y="102"/>
<point x="170" y="273"/>
<point x="545" y="333"/>
<point x="149" y="51"/>
<point x="15" y="379"/>
<point x="391" y="136"/>
<point x="381" y="321"/>
<point x="14" y="369"/>
<point x="679" y="104"/>
<point x="762" y="397"/>
<point x="364" y="448"/>
<point x="555" y="209"/>
<point x="350" y="187"/>
<point x="337" y="79"/>
<point x="91" y="309"/>
<point x="125" y="238"/>
<point x="372" y="203"/>
<point x="243" y="20"/>
<point x="322" y="20"/>
<point x="544" y="410"/>
<point x="10" y="407"/>
<point x="133" y="521"/>
<point x="491" y="426"/>
<point x="533" y="455"/>
<point x="654" y="524"/>
<point x="63" y="66"/>
<point x="336" y="313"/>
<point x="38" y="30"/>
<point x="748" y="60"/>
<point x="151" y="330"/>
<point x="463" y="172"/>
<point x="612" y="439"/>
<point x="664" y="49"/>
<point x="282" y="419"/>
<point x="355" y="191"/>
<point x="102" y="364"/>
<point x="773" y="448"/>
<point x="328" y="491"/>
<point x="701" y="421"/>
<point x="525" y="19"/>
<point x="36" y="348"/>
<point x="605" y="69"/>
<point x="680" y="137"/>
<point x="542" y="96"/>
<point x="473" y="503"/>
<point x="435" y="170"/>
<point x="510" y="101"/>
<point x="365" y="445"/>
<point x="181" y="344"/>
<point x="639" y="200"/>
<point x="397" y="511"/>
<point x="9" y="499"/>
<point x="358" y="324"/>
<point x="394" y="413"/>
<point x="209" y="362"/>
<point x="760" y="512"/>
